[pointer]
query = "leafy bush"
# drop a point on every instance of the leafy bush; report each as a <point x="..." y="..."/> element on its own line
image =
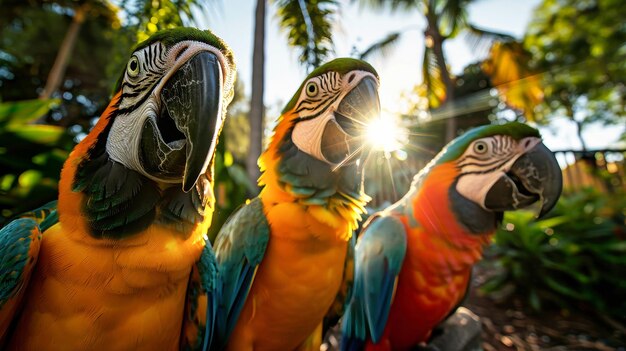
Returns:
<point x="232" y="187"/>
<point x="31" y="156"/>
<point x="575" y="257"/>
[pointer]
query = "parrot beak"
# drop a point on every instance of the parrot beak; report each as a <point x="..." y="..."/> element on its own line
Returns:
<point x="535" y="176"/>
<point x="359" y="106"/>
<point x="185" y="133"/>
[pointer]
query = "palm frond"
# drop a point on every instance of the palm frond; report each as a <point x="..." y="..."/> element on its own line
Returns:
<point x="150" y="16"/>
<point x="452" y="17"/>
<point x="393" y="5"/>
<point x="434" y="88"/>
<point x="384" y="47"/>
<point x="299" y="27"/>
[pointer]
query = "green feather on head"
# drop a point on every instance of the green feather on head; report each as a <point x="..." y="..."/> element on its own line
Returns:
<point x="169" y="37"/>
<point x="340" y="65"/>
<point x="457" y="147"/>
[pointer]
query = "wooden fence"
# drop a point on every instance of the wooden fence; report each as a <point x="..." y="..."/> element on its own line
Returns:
<point x="602" y="169"/>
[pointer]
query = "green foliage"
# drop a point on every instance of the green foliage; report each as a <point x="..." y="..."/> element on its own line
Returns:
<point x="444" y="20"/>
<point x="232" y="187"/>
<point x="580" y="47"/>
<point x="29" y="44"/>
<point x="575" y="258"/>
<point x="31" y="156"/>
<point x="150" y="16"/>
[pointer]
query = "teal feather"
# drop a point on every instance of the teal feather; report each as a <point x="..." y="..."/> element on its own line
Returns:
<point x="239" y="248"/>
<point x="378" y="260"/>
<point x="15" y="242"/>
<point x="315" y="201"/>
<point x="300" y="191"/>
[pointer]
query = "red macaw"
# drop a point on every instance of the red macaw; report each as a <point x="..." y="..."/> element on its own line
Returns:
<point x="413" y="260"/>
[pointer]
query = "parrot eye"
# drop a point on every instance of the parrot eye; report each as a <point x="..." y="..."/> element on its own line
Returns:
<point x="133" y="66"/>
<point x="311" y="89"/>
<point x="480" y="147"/>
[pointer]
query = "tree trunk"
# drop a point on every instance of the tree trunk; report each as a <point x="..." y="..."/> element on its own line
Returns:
<point x="579" y="133"/>
<point x="433" y="31"/>
<point x="570" y="110"/>
<point x="55" y="77"/>
<point x="256" y="100"/>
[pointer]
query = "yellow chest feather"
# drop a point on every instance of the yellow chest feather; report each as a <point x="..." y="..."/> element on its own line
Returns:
<point x="295" y="284"/>
<point x="127" y="295"/>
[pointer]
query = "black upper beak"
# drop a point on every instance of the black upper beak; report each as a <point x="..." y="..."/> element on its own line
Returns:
<point x="536" y="175"/>
<point x="193" y="99"/>
<point x="360" y="105"/>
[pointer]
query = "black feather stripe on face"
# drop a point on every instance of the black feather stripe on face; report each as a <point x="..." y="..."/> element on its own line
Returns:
<point x="327" y="93"/>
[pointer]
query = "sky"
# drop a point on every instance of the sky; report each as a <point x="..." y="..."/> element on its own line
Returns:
<point x="358" y="27"/>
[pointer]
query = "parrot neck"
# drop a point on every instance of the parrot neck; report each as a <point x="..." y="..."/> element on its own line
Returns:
<point x="430" y="203"/>
<point x="290" y="175"/>
<point x="114" y="202"/>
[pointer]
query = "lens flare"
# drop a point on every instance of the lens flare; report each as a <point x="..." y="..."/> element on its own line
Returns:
<point x="384" y="134"/>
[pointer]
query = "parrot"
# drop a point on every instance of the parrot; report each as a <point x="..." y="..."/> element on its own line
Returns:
<point x="413" y="260"/>
<point x="122" y="261"/>
<point x="281" y="256"/>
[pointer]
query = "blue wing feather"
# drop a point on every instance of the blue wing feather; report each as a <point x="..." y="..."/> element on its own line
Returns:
<point x="239" y="247"/>
<point x="378" y="260"/>
<point x="19" y="248"/>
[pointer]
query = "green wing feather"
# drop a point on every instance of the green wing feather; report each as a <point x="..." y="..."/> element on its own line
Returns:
<point x="378" y="260"/>
<point x="239" y="247"/>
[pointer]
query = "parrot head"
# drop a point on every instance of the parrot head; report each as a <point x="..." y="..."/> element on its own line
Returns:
<point x="499" y="168"/>
<point x="314" y="155"/>
<point x="331" y="108"/>
<point x="174" y="93"/>
<point x="149" y="157"/>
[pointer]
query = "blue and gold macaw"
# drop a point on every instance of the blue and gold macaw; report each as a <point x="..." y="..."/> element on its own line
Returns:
<point x="282" y="255"/>
<point x="122" y="263"/>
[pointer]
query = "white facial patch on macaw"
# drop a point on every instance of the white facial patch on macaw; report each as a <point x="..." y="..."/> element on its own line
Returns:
<point x="307" y="135"/>
<point x="485" y="161"/>
<point x="148" y="70"/>
<point x="318" y="101"/>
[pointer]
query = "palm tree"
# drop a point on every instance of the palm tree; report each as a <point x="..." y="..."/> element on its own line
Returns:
<point x="308" y="25"/>
<point x="256" y="99"/>
<point x="444" y="20"/>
